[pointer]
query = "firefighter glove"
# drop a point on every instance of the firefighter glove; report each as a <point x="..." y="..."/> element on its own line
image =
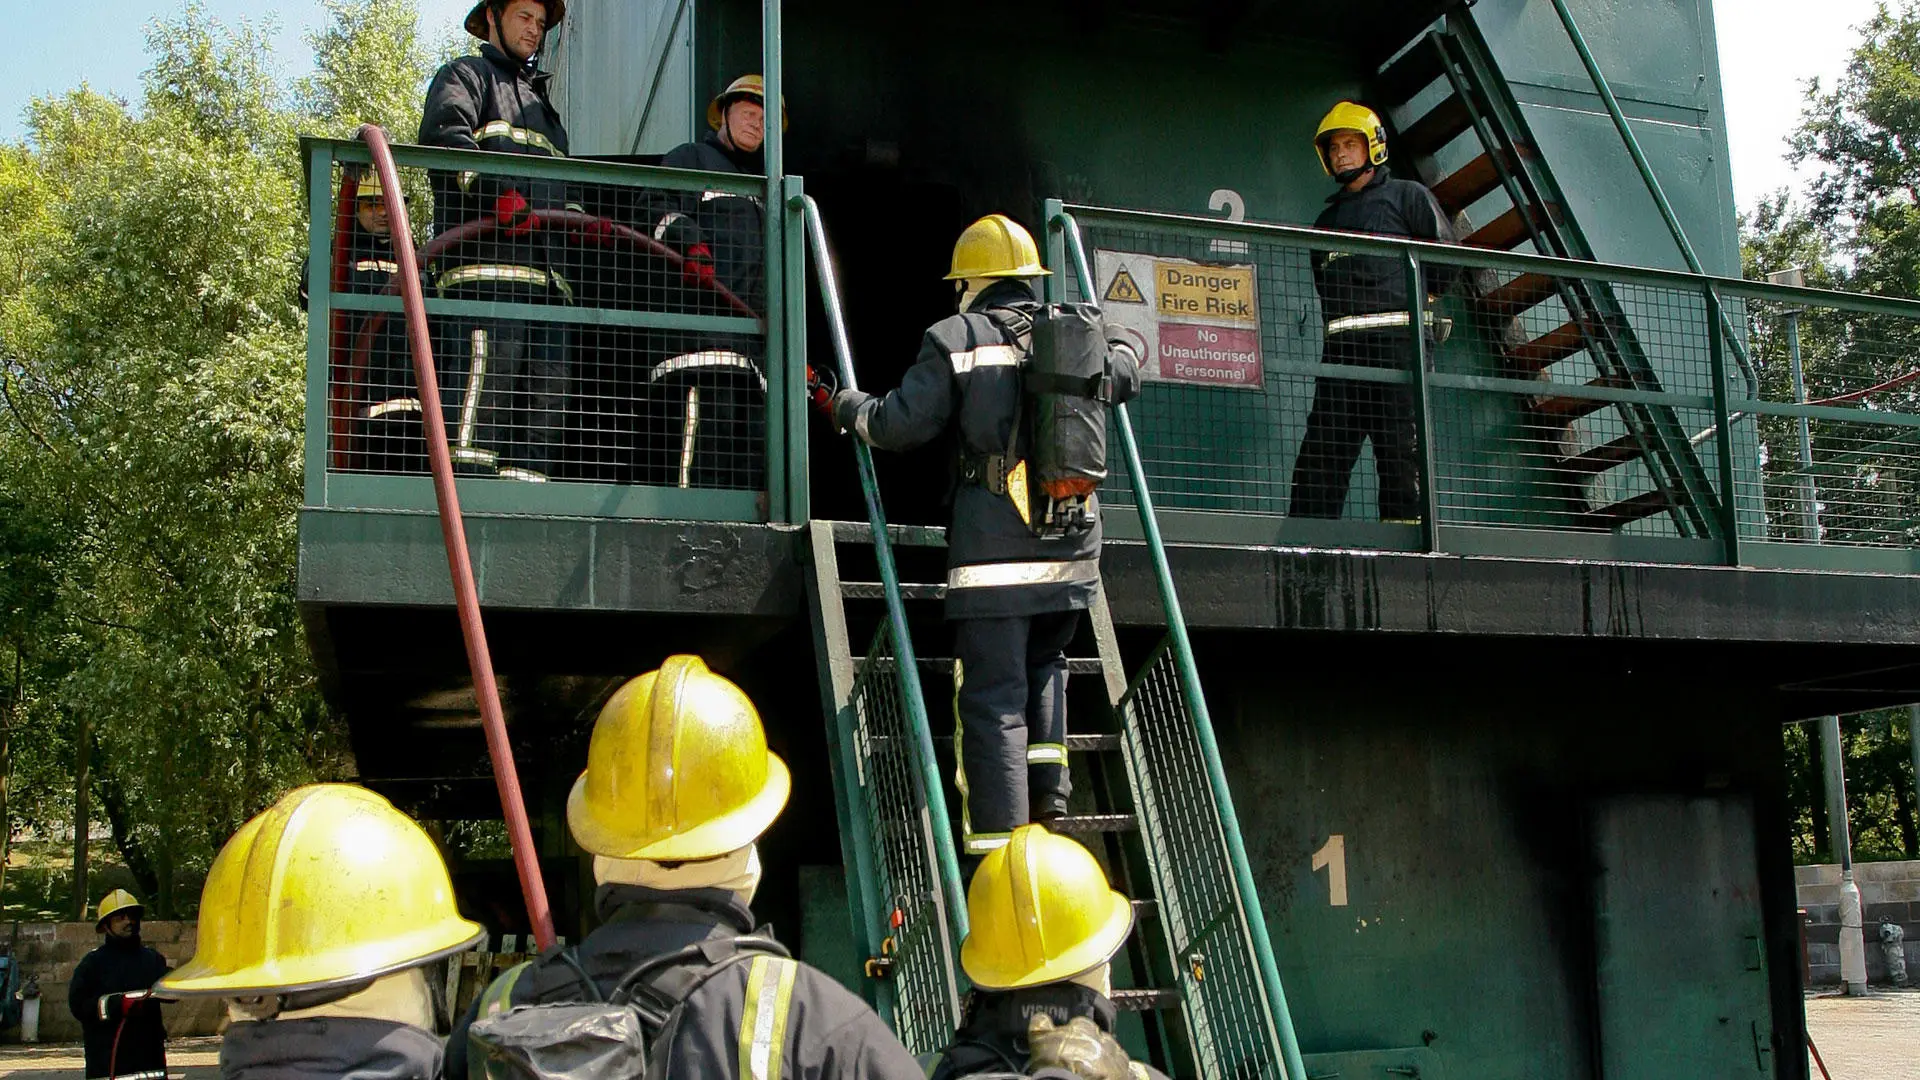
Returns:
<point x="510" y="208"/>
<point x="698" y="267"/>
<point x="1127" y="337"/>
<point x="821" y="386"/>
<point x="598" y="232"/>
<point x="845" y="409"/>
<point x="1079" y="1049"/>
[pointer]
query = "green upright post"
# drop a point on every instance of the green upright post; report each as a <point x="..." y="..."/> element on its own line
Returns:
<point x="1723" y="430"/>
<point x="792" y="404"/>
<point x="780" y="380"/>
<point x="319" y="324"/>
<point x="1423" y="407"/>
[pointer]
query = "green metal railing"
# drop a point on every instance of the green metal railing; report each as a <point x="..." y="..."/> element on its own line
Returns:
<point x="615" y="306"/>
<point x="1531" y="463"/>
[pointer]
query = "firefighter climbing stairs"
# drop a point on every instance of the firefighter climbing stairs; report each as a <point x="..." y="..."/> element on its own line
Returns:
<point x="1444" y="92"/>
<point x="1197" y="973"/>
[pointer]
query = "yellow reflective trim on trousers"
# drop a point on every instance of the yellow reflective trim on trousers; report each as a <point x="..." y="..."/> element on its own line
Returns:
<point x="1046" y="753"/>
<point x="385" y="265"/>
<point x="763" y="1023"/>
<point x="500" y="129"/>
<point x="518" y="275"/>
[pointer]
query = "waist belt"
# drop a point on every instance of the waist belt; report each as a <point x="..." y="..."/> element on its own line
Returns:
<point x="518" y="275"/>
<point x="987" y="470"/>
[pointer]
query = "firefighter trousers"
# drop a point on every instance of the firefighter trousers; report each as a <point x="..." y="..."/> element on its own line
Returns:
<point x="1010" y="718"/>
<point x="506" y="386"/>
<point x="1345" y="414"/>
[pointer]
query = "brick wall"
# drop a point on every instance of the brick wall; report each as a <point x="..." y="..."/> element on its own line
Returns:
<point x="50" y="951"/>
<point x="1889" y="892"/>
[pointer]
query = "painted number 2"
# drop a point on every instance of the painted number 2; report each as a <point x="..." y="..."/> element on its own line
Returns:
<point x="1236" y="207"/>
<point x="1332" y="857"/>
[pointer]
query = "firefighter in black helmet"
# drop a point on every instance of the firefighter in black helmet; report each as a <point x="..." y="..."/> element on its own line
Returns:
<point x="1014" y="597"/>
<point x="1364" y="301"/>
<point x="505" y="382"/>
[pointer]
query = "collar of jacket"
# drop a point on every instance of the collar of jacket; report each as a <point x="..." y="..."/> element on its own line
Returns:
<point x="1007" y="1012"/>
<point x="498" y="57"/>
<point x="130" y="943"/>
<point x="754" y="164"/>
<point x="1006" y="292"/>
<point x="629" y="903"/>
<point x="327" y="1048"/>
<point x="1380" y="176"/>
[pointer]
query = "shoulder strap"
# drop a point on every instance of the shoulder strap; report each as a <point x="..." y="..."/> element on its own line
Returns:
<point x="498" y="996"/>
<point x="1016" y="323"/>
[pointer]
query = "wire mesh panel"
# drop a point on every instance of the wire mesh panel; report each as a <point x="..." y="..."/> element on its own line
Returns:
<point x="1206" y="928"/>
<point x="925" y="998"/>
<point x="605" y="330"/>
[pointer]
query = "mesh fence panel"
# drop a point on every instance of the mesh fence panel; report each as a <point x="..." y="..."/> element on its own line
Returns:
<point x="1206" y="928"/>
<point x="925" y="997"/>
<point x="609" y="333"/>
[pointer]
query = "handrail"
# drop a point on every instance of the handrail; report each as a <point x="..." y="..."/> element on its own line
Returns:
<point x="453" y="528"/>
<point x="1289" y="1045"/>
<point x="926" y="774"/>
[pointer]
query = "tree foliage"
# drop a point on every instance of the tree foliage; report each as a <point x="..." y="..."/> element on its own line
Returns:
<point x="151" y="432"/>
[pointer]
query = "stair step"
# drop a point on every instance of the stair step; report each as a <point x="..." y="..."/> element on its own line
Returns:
<point x="1409" y="73"/>
<point x="1076" y="744"/>
<point x="1504" y="233"/>
<point x="1599" y="459"/>
<point x="1094" y="823"/>
<point x="1644" y="505"/>
<point x="1520" y="294"/>
<point x="1145" y="909"/>
<point x="1446" y="122"/>
<point x="858" y="532"/>
<point x="1565" y="410"/>
<point x="1146" y="1000"/>
<point x="943" y="665"/>
<point x="1551" y="348"/>
<point x="1466" y="185"/>
<point x="909" y="590"/>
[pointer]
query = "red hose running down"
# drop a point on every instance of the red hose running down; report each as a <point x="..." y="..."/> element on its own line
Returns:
<point x="453" y="527"/>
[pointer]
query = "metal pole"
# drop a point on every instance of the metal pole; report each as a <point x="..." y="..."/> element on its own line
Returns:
<point x="1853" y="945"/>
<point x="1723" y="432"/>
<point x="466" y="596"/>
<point x="1423" y="406"/>
<point x="1913" y="743"/>
<point x="1809" y="494"/>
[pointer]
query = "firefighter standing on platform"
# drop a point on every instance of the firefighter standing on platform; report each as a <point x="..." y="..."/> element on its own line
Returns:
<point x="316" y="921"/>
<point x="1014" y="597"/>
<point x="507" y="382"/>
<point x="679" y="787"/>
<point x="1364" y="301"/>
<point x="710" y="391"/>
<point x="1045" y="928"/>
<point x="121" y="1026"/>
<point x="392" y="438"/>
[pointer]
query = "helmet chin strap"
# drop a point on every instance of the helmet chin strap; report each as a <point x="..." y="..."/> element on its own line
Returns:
<point x="1344" y="177"/>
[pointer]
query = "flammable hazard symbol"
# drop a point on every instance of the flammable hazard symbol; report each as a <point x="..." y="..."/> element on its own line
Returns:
<point x="1124" y="290"/>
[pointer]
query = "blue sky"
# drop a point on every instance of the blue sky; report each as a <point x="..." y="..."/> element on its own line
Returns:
<point x="1768" y="48"/>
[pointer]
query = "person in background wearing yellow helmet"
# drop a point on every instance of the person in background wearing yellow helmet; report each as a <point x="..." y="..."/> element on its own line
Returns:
<point x="1363" y="299"/>
<point x="122" y="1029"/>
<point x="708" y="391"/>
<point x="1045" y="928"/>
<point x="1014" y="597"/>
<point x="315" y="923"/>
<point x="678" y="788"/>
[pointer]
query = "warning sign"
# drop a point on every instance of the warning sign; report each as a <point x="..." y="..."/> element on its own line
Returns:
<point x="1201" y="320"/>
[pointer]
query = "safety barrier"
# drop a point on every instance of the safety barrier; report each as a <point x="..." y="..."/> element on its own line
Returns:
<point x="1544" y="407"/>
<point x="603" y="334"/>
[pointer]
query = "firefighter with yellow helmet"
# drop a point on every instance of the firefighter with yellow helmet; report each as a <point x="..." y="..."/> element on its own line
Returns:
<point x="1045" y="927"/>
<point x="707" y="393"/>
<point x="121" y="1027"/>
<point x="1014" y="595"/>
<point x="679" y="787"/>
<point x="316" y="921"/>
<point x="1363" y="299"/>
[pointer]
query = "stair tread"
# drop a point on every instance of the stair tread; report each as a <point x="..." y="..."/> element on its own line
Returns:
<point x="1569" y="409"/>
<point x="1466" y="185"/>
<point x="909" y="590"/>
<point x="1409" y="73"/>
<point x="1145" y="1000"/>
<point x="1076" y="665"/>
<point x="1076" y="744"/>
<point x="1503" y="233"/>
<point x="1440" y="126"/>
<point x="859" y="532"/>
<point x="1644" y="505"/>
<point x="1551" y="347"/>
<point x="1598" y="459"/>
<point x="1520" y="294"/>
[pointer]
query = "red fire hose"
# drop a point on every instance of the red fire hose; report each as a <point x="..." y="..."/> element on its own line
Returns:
<point x="453" y="528"/>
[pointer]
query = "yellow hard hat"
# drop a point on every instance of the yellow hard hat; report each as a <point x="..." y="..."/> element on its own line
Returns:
<point x="369" y="187"/>
<point x="752" y="86"/>
<point x="328" y="888"/>
<point x="678" y="769"/>
<point x="1349" y="116"/>
<point x="116" y="901"/>
<point x="996" y="246"/>
<point x="1041" y="912"/>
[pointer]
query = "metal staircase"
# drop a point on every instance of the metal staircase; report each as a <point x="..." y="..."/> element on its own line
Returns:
<point x="1150" y="799"/>
<point x="1452" y="63"/>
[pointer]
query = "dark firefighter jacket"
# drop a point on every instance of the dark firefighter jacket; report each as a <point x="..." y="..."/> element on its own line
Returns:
<point x="117" y="966"/>
<point x="1373" y="284"/>
<point x="328" y="1048"/>
<point x="732" y="226"/>
<point x="967" y="380"/>
<point x="829" y="1032"/>
<point x="994" y="1037"/>
<point x="489" y="102"/>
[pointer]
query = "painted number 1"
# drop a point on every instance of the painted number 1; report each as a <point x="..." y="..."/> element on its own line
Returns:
<point x="1332" y="857"/>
